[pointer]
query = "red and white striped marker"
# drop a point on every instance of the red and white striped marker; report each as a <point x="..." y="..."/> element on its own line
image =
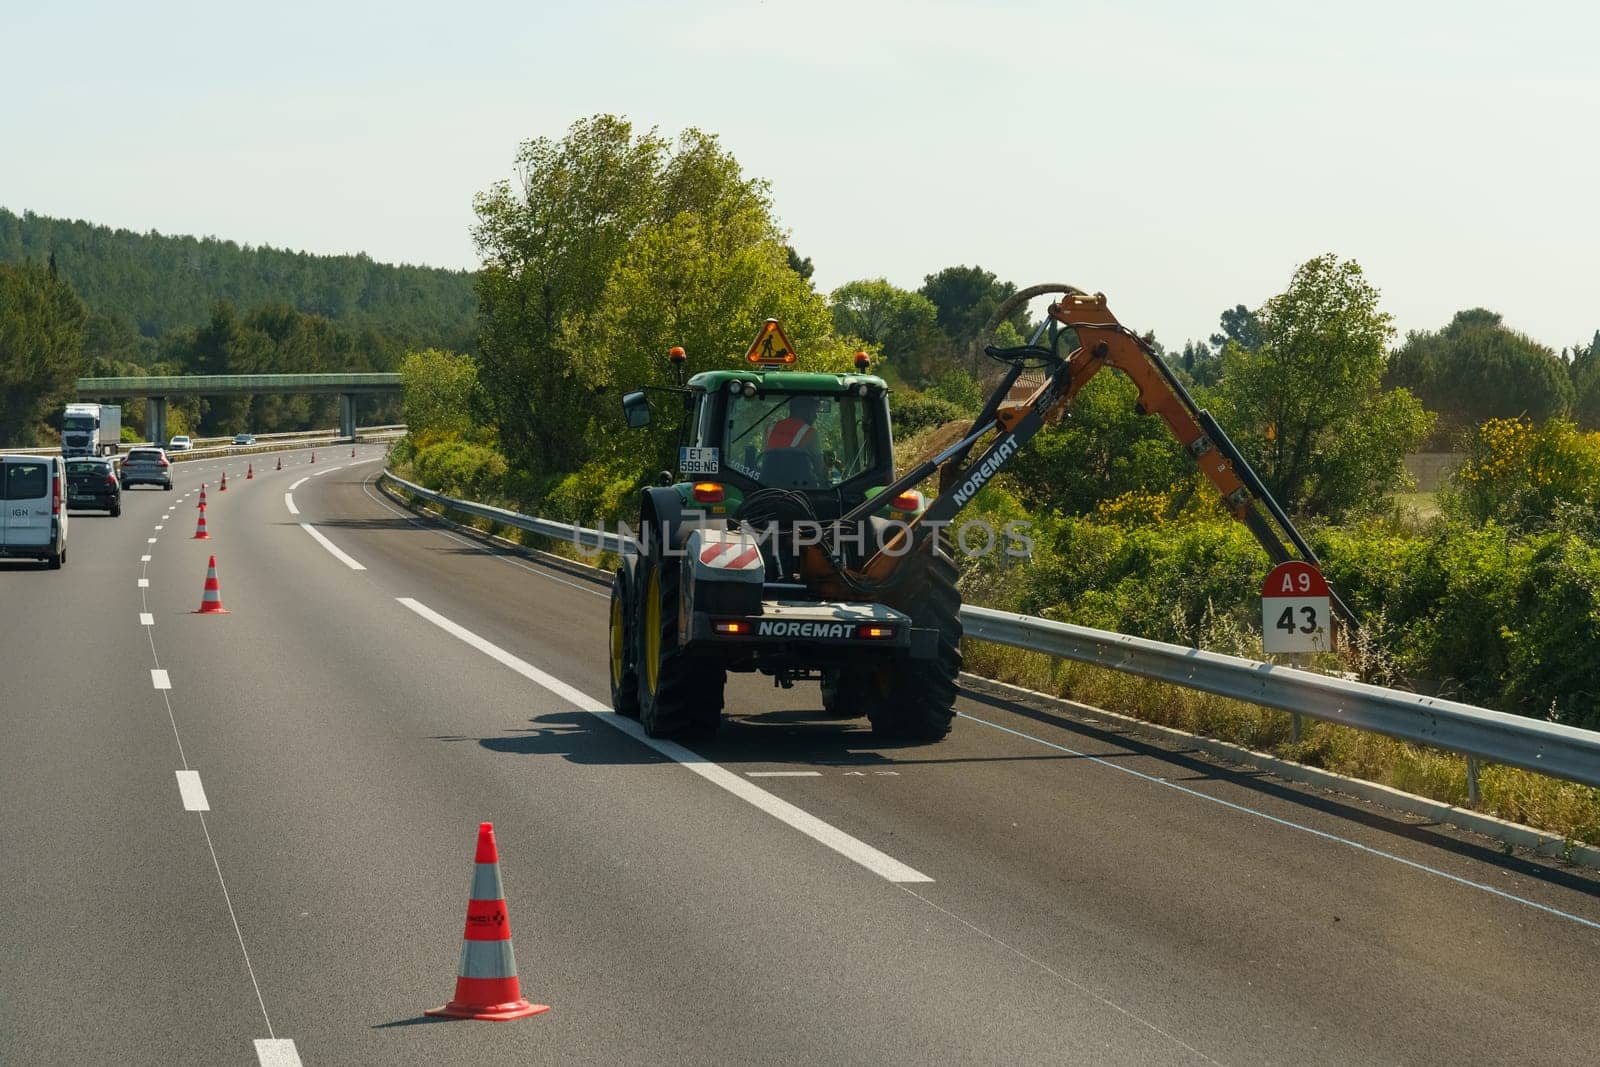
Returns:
<point x="211" y="599"/>
<point x="486" y="978"/>
<point x="200" y="527"/>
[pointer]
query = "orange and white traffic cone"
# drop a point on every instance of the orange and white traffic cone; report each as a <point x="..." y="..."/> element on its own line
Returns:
<point x="313" y="457"/>
<point x="200" y="527"/>
<point x="486" y="978"/>
<point x="249" y="471"/>
<point x="280" y="463"/>
<point x="211" y="599"/>
<point x="202" y="495"/>
<point x="223" y="488"/>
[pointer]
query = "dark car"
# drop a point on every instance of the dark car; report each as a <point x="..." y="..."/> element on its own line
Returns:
<point x="92" y="485"/>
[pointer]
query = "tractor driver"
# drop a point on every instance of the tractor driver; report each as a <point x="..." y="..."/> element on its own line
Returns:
<point x="796" y="435"/>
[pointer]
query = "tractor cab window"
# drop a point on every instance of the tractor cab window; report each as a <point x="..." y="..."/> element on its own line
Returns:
<point x="798" y="441"/>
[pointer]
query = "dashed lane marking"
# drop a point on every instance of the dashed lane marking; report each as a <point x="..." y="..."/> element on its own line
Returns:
<point x="144" y="583"/>
<point x="783" y="774"/>
<point x="276" y="1052"/>
<point x="159" y="678"/>
<point x="146" y="619"/>
<point x="144" y="559"/>
<point x="301" y="482"/>
<point x="288" y="502"/>
<point x="150" y="540"/>
<point x="879" y="863"/>
<point x="193" y="793"/>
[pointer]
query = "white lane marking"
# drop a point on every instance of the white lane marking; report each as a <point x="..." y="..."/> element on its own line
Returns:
<point x="193" y="793"/>
<point x="301" y="482"/>
<point x="338" y="553"/>
<point x="144" y="583"/>
<point x="168" y="515"/>
<point x="146" y="619"/>
<point x="159" y="678"/>
<point x="144" y="559"/>
<point x="783" y="774"/>
<point x="1288" y="824"/>
<point x="288" y="502"/>
<point x="877" y="862"/>
<point x="150" y="540"/>
<point x="160" y="527"/>
<point x="276" y="1052"/>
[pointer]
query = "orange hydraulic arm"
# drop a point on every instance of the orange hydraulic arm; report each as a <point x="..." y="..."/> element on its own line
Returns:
<point x="1015" y="414"/>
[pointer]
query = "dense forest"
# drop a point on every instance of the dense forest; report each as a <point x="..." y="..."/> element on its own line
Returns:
<point x="134" y="303"/>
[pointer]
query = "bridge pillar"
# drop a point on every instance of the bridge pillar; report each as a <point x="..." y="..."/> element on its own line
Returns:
<point x="155" y="419"/>
<point x="347" y="415"/>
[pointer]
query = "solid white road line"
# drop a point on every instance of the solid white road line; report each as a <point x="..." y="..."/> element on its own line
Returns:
<point x="276" y="1052"/>
<point x="159" y="678"/>
<point x="288" y="502"/>
<point x="338" y="553"/>
<point x="146" y="619"/>
<point x="783" y="774"/>
<point x="877" y="862"/>
<point x="144" y="583"/>
<point x="301" y="482"/>
<point x="194" y="795"/>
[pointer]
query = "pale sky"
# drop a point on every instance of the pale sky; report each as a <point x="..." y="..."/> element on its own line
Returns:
<point x="1181" y="158"/>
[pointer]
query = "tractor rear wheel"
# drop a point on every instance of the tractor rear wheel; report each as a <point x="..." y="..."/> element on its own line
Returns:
<point x="679" y="695"/>
<point x="915" y="700"/>
<point x="624" y="668"/>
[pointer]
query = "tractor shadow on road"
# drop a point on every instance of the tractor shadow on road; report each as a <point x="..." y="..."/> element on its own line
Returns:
<point x="793" y="738"/>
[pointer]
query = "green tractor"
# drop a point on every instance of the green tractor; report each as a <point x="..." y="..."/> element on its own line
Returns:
<point x="789" y="546"/>
<point x="779" y="469"/>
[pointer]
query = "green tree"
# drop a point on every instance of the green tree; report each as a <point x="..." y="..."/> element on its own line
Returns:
<point x="41" y="349"/>
<point x="441" y="392"/>
<point x="614" y="246"/>
<point x="965" y="298"/>
<point x="1584" y="369"/>
<point x="903" y="325"/>
<point x="1477" y="369"/>
<point x="1307" y="407"/>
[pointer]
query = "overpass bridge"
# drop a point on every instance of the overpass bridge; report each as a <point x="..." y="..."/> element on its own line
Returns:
<point x="158" y="389"/>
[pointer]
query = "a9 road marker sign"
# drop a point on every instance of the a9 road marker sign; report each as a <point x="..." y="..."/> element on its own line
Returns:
<point x="1296" y="613"/>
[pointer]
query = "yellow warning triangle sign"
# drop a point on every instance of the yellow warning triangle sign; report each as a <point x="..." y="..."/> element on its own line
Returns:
<point x="770" y="345"/>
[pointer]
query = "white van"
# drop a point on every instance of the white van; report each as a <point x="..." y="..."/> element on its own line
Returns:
<point x="33" y="513"/>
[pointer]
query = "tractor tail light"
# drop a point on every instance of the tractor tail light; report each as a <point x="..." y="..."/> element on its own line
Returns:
<point x="709" y="492"/>
<point x="874" y="631"/>
<point x="731" y="626"/>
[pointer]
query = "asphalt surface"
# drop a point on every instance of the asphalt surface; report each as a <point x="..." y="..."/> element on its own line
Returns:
<point x="1037" y="888"/>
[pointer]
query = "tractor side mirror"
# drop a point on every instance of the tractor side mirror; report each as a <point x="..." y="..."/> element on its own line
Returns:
<point x="636" y="409"/>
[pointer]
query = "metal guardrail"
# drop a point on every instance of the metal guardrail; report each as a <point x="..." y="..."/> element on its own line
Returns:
<point x="224" y="447"/>
<point x="1479" y="733"/>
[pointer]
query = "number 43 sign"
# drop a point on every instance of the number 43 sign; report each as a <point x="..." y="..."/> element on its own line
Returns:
<point x="1295" y="612"/>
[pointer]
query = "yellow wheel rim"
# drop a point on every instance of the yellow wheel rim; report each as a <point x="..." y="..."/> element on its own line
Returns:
<point x="652" y="630"/>
<point x="616" y="640"/>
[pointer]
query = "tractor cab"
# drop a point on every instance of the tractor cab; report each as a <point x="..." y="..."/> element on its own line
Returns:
<point x="766" y="426"/>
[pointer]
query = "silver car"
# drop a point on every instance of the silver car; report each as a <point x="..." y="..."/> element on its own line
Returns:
<point x="146" y="466"/>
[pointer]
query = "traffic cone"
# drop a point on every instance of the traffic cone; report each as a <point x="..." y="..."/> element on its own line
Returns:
<point x="202" y="494"/>
<point x="313" y="457"/>
<point x="223" y="487"/>
<point x="200" y="527"/>
<point x="486" y="978"/>
<point x="352" y="452"/>
<point x="280" y="463"/>
<point x="249" y="471"/>
<point x="211" y="599"/>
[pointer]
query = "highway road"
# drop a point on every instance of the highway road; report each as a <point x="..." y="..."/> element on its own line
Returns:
<point x="1040" y="888"/>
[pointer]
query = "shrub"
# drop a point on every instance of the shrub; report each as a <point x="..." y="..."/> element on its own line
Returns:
<point x="1524" y="476"/>
<point x="913" y="411"/>
<point x="460" y="468"/>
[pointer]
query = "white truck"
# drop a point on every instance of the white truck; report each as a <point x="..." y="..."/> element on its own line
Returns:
<point x="91" y="430"/>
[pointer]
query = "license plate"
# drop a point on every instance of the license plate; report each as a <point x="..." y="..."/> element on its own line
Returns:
<point x="698" y="460"/>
